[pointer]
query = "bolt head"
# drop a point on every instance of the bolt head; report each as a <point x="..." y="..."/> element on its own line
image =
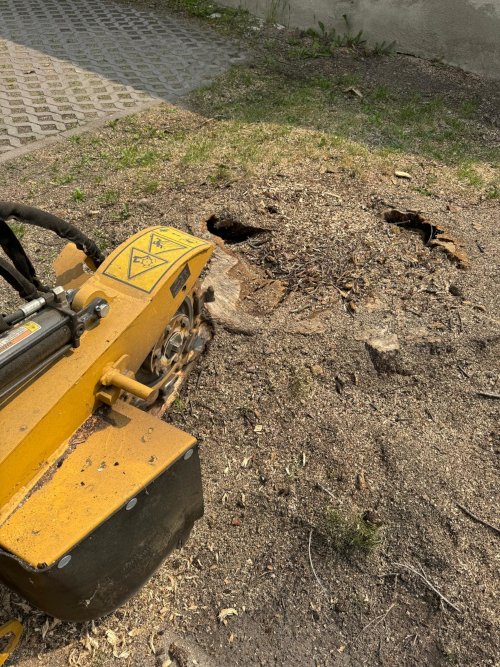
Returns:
<point x="188" y="454"/>
<point x="102" y="310"/>
<point x="131" y="504"/>
<point x="64" y="561"/>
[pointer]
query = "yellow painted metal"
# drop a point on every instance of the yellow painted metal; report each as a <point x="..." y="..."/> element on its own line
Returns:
<point x="124" y="454"/>
<point x="116" y="376"/>
<point x="15" y="629"/>
<point x="145" y="280"/>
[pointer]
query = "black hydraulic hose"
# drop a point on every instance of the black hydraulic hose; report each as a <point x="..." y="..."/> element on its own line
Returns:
<point x="35" y="216"/>
<point x="15" y="252"/>
<point x="21" y="284"/>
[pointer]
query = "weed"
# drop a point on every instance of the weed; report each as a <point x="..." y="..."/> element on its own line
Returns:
<point x="350" y="535"/>
<point x="494" y="194"/>
<point x="383" y="49"/>
<point x="75" y="139"/>
<point x="150" y="187"/>
<point x="124" y="214"/>
<point x="178" y="403"/>
<point x="78" y="195"/>
<point x="303" y="52"/>
<point x="111" y="196"/>
<point x="423" y="191"/>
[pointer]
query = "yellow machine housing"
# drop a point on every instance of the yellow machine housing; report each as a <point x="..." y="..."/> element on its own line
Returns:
<point x="94" y="492"/>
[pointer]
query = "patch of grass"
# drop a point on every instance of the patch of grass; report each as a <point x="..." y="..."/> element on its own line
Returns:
<point x="124" y="214"/>
<point x="78" y="195"/>
<point x="350" y="535"/>
<point x="298" y="384"/>
<point x="467" y="173"/>
<point x="230" y="19"/>
<point x="111" y="196"/>
<point x="381" y="120"/>
<point x="131" y="157"/>
<point x="494" y="193"/>
<point x="423" y="191"/>
<point x="18" y="228"/>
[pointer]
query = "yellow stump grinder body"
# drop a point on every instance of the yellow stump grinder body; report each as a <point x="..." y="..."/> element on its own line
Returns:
<point x="94" y="491"/>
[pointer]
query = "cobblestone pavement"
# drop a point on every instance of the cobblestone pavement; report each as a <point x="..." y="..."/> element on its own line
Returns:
<point x="65" y="63"/>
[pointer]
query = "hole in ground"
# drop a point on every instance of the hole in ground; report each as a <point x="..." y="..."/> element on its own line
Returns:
<point x="230" y="230"/>
<point x="414" y="221"/>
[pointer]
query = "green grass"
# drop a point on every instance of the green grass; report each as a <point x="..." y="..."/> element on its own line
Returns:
<point x="78" y="195"/>
<point x="350" y="535"/>
<point x="18" y="228"/>
<point x="467" y="173"/>
<point x="111" y="196"/>
<point x="381" y="120"/>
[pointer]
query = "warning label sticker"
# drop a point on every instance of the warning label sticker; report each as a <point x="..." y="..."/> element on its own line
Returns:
<point x="17" y="334"/>
<point x="144" y="262"/>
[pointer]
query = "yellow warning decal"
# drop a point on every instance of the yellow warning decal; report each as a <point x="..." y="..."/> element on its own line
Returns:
<point x="144" y="262"/>
<point x="17" y="334"/>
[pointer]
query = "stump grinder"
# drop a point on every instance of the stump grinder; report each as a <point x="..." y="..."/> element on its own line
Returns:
<point x="95" y="492"/>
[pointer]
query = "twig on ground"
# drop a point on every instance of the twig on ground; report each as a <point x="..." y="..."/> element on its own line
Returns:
<point x="488" y="394"/>
<point x="325" y="490"/>
<point x="422" y="576"/>
<point x="325" y="591"/>
<point x="476" y="518"/>
<point x="376" y="621"/>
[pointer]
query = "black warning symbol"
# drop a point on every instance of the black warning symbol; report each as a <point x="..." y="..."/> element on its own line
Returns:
<point x="141" y="261"/>
<point x="159" y="244"/>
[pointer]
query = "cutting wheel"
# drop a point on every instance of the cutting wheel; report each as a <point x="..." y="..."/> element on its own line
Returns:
<point x="181" y="343"/>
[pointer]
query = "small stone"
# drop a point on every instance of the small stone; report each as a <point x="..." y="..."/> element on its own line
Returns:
<point x="316" y="370"/>
<point x="455" y="290"/>
<point x="402" y="174"/>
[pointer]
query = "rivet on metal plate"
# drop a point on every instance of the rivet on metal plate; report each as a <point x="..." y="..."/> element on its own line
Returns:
<point x="64" y="561"/>
<point x="188" y="454"/>
<point x="131" y="504"/>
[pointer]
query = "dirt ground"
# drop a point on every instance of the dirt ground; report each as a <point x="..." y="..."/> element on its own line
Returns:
<point x="337" y="485"/>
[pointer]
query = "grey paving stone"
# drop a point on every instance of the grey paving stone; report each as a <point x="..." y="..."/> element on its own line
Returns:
<point x="67" y="62"/>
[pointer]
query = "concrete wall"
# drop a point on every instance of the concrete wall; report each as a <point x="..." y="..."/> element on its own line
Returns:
<point x="465" y="32"/>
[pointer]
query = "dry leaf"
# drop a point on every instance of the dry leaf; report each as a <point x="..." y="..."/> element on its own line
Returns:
<point x="402" y="174"/>
<point x="354" y="91"/>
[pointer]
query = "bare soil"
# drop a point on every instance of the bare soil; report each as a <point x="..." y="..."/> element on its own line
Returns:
<point x="297" y="402"/>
